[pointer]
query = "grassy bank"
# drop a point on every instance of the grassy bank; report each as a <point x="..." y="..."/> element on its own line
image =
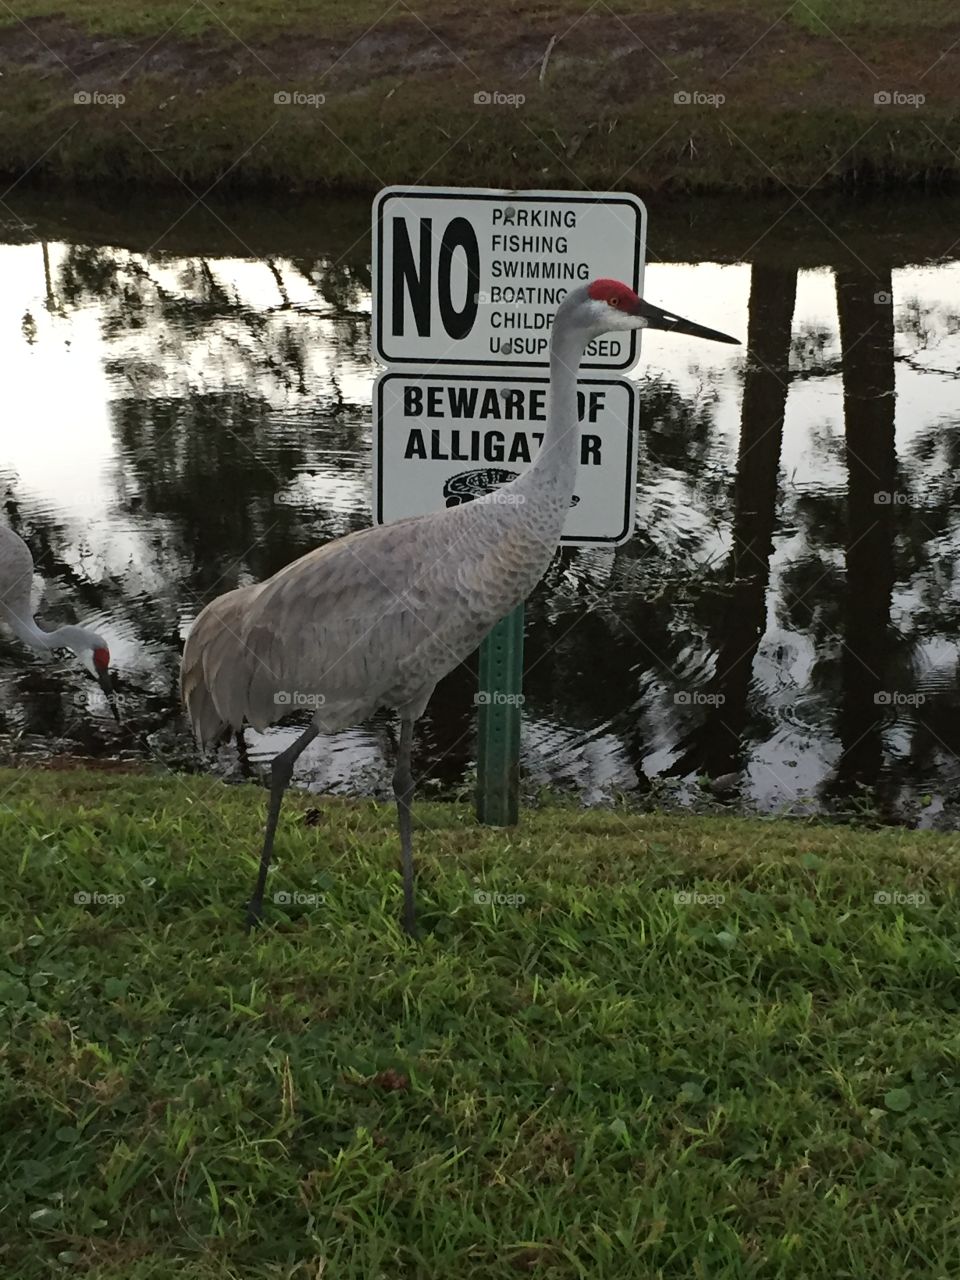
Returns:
<point x="602" y="1080"/>
<point x="174" y="94"/>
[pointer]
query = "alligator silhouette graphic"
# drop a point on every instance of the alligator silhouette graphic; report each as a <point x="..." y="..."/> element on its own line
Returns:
<point x="477" y="483"/>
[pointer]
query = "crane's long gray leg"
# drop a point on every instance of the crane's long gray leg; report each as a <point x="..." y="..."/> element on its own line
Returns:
<point x="403" y="790"/>
<point x="281" y="770"/>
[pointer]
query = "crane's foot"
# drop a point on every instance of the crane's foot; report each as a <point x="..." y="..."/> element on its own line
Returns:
<point x="254" y="916"/>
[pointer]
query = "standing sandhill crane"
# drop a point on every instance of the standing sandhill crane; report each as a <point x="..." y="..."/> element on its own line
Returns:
<point x="375" y="619"/>
<point x="16" y="579"/>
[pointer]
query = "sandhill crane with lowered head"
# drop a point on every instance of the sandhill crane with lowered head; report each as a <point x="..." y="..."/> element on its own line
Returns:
<point x="16" y="610"/>
<point x="375" y="619"/>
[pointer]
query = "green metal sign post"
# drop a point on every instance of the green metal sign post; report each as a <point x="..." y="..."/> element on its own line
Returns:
<point x="498" y="731"/>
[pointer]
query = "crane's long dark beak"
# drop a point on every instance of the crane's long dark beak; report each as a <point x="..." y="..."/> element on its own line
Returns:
<point x="657" y="319"/>
<point x="106" y="684"/>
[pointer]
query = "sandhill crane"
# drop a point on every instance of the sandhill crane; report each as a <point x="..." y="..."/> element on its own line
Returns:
<point x="16" y="579"/>
<point x="376" y="618"/>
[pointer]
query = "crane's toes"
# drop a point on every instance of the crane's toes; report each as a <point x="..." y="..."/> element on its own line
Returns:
<point x="254" y="916"/>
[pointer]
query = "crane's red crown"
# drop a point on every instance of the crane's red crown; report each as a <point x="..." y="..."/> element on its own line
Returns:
<point x="101" y="659"/>
<point x="615" y="293"/>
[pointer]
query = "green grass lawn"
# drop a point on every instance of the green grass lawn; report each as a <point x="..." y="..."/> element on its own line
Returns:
<point x="603" y="1080"/>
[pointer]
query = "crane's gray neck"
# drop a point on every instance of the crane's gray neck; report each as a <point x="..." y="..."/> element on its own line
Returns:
<point x="24" y="628"/>
<point x="554" y="470"/>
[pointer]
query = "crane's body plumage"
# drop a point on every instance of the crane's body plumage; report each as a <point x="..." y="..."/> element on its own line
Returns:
<point x="372" y="620"/>
<point x="361" y="623"/>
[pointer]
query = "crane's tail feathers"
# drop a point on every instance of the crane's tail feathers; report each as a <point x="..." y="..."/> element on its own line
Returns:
<point x="205" y="720"/>
<point x="210" y="674"/>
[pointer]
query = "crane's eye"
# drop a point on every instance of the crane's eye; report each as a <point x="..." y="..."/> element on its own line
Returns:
<point x="614" y="301"/>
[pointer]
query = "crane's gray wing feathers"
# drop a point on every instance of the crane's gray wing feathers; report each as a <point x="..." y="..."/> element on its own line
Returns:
<point x="345" y="627"/>
<point x="373" y="619"/>
<point x="338" y="631"/>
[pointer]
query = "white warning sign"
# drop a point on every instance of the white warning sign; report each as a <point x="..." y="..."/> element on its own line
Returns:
<point x="443" y="439"/>
<point x="472" y="277"/>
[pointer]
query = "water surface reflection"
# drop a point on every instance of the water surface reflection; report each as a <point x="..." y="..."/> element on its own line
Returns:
<point x="781" y="631"/>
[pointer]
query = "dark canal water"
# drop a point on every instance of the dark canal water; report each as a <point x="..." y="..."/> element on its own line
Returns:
<point x="186" y="407"/>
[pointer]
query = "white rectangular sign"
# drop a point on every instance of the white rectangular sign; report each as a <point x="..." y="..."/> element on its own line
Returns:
<point x="440" y="439"/>
<point x="472" y="277"/>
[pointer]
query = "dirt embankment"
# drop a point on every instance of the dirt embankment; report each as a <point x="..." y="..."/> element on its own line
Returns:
<point x="711" y="100"/>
